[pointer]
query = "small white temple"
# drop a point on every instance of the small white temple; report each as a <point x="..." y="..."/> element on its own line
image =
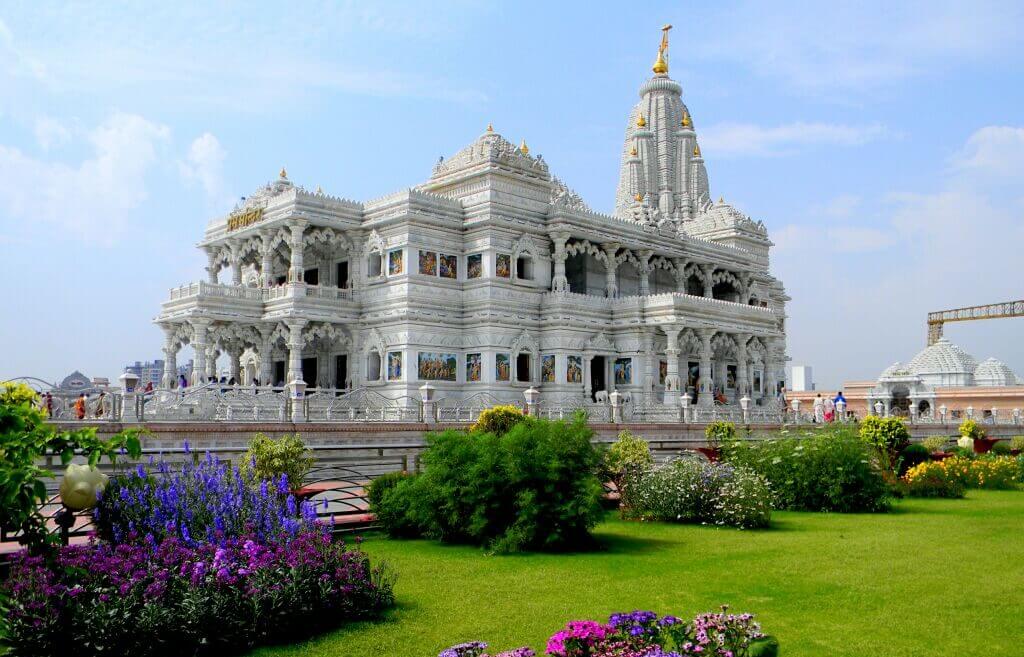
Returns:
<point x="493" y="276"/>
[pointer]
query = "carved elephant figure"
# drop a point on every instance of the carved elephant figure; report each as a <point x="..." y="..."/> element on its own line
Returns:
<point x="601" y="396"/>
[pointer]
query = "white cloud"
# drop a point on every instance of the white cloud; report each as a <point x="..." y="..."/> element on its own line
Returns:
<point x="994" y="152"/>
<point x="747" y="139"/>
<point x="842" y="206"/>
<point x="205" y="165"/>
<point x="51" y="132"/>
<point x="93" y="198"/>
<point x="14" y="60"/>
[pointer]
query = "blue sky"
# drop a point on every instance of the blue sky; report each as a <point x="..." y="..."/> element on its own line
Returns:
<point x="882" y="145"/>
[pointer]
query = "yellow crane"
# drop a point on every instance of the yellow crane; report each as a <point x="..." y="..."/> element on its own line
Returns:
<point x="937" y="319"/>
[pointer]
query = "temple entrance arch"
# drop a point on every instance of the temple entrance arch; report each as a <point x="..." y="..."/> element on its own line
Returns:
<point x="597" y="376"/>
<point x="900" y="400"/>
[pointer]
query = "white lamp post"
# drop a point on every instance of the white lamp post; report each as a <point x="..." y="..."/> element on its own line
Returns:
<point x="942" y="412"/>
<point x="532" y="395"/>
<point x="615" y="399"/>
<point x="796" y="410"/>
<point x="879" y="408"/>
<point x="427" y="395"/>
<point x="297" y="393"/>
<point x="970" y="412"/>
<point x="841" y="410"/>
<point x="684" y="403"/>
<point x="745" y="407"/>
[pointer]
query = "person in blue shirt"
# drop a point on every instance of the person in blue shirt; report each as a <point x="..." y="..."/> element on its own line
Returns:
<point x="839" y="398"/>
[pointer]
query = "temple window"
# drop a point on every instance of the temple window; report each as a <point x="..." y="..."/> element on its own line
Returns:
<point x="524" y="268"/>
<point x="374" y="265"/>
<point x="523" y="367"/>
<point x="373" y="366"/>
<point x="342" y="273"/>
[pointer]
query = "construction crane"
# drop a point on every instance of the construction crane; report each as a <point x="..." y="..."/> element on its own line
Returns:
<point x="989" y="311"/>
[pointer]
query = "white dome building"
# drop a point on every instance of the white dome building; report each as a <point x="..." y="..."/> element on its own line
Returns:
<point x="943" y="374"/>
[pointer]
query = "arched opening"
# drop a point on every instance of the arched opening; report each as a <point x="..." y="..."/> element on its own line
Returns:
<point x="900" y="404"/>
<point x="374" y="264"/>
<point x="524" y="268"/>
<point x="924" y="407"/>
<point x="523" y="367"/>
<point x="695" y="286"/>
<point x="373" y="366"/>
<point x="662" y="281"/>
<point x="725" y="291"/>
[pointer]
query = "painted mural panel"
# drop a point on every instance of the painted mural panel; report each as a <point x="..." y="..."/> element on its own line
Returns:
<point x="428" y="263"/>
<point x="394" y="366"/>
<point x="394" y="263"/>
<point x="503" y="266"/>
<point x="474" y="367"/>
<point x="449" y="266"/>
<point x="475" y="266"/>
<point x="574" y="369"/>
<point x="547" y="368"/>
<point x="623" y="370"/>
<point x="502" y="367"/>
<point x="436" y="367"/>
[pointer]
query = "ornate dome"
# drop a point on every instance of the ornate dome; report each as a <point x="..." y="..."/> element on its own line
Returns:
<point x="994" y="373"/>
<point x="944" y="364"/>
<point x="724" y="215"/>
<point x="896" y="369"/>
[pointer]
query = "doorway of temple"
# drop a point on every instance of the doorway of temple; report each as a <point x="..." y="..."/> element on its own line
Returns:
<point x="309" y="371"/>
<point x="901" y="401"/>
<point x="340" y="370"/>
<point x="597" y="382"/>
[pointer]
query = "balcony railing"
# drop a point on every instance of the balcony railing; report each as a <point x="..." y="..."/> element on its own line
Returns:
<point x="206" y="289"/>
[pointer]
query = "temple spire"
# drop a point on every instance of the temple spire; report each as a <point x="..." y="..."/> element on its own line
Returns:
<point x="661" y="64"/>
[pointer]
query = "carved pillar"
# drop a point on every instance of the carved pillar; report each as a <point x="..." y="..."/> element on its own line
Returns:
<point x="211" y="362"/>
<point x="741" y="365"/>
<point x="708" y="285"/>
<point x="672" y="382"/>
<point x="611" y="284"/>
<point x="266" y="355"/>
<point x="680" y="274"/>
<point x="295" y="349"/>
<point x="199" y="334"/>
<point x="744" y="291"/>
<point x="649" y="358"/>
<point x="644" y="269"/>
<point x="266" y="260"/>
<point x="171" y="347"/>
<point x="296" y="269"/>
<point x="212" y="266"/>
<point x="236" y="265"/>
<point x="559" y="283"/>
<point x="587" y="390"/>
<point x="235" y="362"/>
<point x="705" y="384"/>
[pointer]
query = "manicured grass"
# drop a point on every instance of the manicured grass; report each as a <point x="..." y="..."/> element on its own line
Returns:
<point x="934" y="577"/>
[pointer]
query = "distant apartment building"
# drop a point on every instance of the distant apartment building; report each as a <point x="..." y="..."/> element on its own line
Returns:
<point x="148" y="372"/>
<point x="801" y="378"/>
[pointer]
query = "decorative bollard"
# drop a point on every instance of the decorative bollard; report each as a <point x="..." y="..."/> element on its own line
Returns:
<point x="532" y="395"/>
<point x="745" y="407"/>
<point x="796" y="411"/>
<point x="684" y="403"/>
<point x="297" y="394"/>
<point x="429" y="411"/>
<point x="841" y="410"/>
<point x="616" y="401"/>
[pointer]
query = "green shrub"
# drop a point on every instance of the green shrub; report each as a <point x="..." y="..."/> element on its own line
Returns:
<point x="888" y="435"/>
<point x="382" y="485"/>
<point x="627" y="453"/>
<point x="829" y="471"/>
<point x="720" y="432"/>
<point x="964" y="453"/>
<point x="935" y="443"/>
<point x="268" y="458"/>
<point x="1002" y="448"/>
<point x="498" y="420"/>
<point x="1017" y="442"/>
<point x="911" y="456"/>
<point x="1020" y="468"/>
<point x="971" y="429"/>
<point x="533" y="488"/>
<point x="691" y="490"/>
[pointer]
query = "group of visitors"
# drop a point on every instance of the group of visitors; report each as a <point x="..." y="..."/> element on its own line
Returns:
<point x="825" y="407"/>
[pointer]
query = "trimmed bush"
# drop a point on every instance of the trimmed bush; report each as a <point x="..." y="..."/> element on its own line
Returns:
<point x="498" y="420"/>
<point x="533" y="488"/>
<point x="720" y="432"/>
<point x="626" y="454"/>
<point x="971" y="429"/>
<point x="1002" y="448"/>
<point x="888" y="435"/>
<point x="935" y="443"/>
<point x="911" y="456"/>
<point x="691" y="490"/>
<point x="269" y="458"/>
<point x="831" y="471"/>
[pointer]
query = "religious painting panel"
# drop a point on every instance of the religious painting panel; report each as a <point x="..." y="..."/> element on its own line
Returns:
<point x="436" y="367"/>
<point x="502" y="367"/>
<point x="449" y="266"/>
<point x="503" y="266"/>
<point x="475" y="266"/>
<point x="623" y="370"/>
<point x="394" y="366"/>
<point x="474" y="366"/>
<point x="428" y="263"/>
<point x="394" y="263"/>
<point x="547" y="368"/>
<point x="574" y="369"/>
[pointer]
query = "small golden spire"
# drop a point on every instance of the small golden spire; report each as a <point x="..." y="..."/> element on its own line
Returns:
<point x="283" y="174"/>
<point x="641" y="122"/>
<point x="319" y="190"/>
<point x="490" y="128"/>
<point x="696" y="150"/>
<point x="686" y="119"/>
<point x="638" y="198"/>
<point x="721" y="200"/>
<point x="660" y="65"/>
<point x="632" y="151"/>
<point x="523" y="148"/>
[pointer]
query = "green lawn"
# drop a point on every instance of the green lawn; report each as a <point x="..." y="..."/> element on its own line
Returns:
<point x="932" y="578"/>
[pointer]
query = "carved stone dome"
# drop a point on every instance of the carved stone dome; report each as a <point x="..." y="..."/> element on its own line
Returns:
<point x="944" y="364"/>
<point x="994" y="373"/>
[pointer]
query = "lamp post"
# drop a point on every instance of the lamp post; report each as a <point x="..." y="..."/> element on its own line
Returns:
<point x="129" y="405"/>
<point x="615" y="399"/>
<point x="796" y="410"/>
<point x="841" y="410"/>
<point x="297" y="394"/>
<point x="1016" y="416"/>
<point x="879" y="408"/>
<point x="684" y="403"/>
<point x="532" y="395"/>
<point x="942" y="413"/>
<point x="970" y="412"/>
<point x="427" y="395"/>
<point x="745" y="407"/>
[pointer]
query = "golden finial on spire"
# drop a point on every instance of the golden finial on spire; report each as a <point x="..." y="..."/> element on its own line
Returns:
<point x="632" y="151"/>
<point x="696" y="150"/>
<point x="721" y="200"/>
<point x="490" y="128"/>
<point x="523" y="148"/>
<point x="686" y="119"/>
<point x="660" y="64"/>
<point x="638" y="198"/>
<point x="641" y="122"/>
<point x="284" y="174"/>
<point x="319" y="190"/>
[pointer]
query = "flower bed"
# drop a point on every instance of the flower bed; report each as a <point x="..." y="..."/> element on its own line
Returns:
<point x="146" y="598"/>
<point x="696" y="491"/>
<point x="952" y="476"/>
<point x="644" y="634"/>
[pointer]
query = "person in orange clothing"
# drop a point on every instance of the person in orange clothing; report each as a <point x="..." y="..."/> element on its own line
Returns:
<point x="80" y="407"/>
